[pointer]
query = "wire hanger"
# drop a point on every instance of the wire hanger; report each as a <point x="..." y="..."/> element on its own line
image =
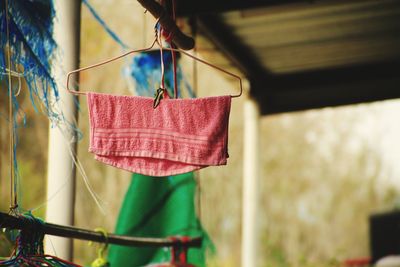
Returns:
<point x="13" y="74"/>
<point x="159" y="43"/>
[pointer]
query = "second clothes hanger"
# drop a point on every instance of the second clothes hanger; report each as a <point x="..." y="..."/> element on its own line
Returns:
<point x="157" y="40"/>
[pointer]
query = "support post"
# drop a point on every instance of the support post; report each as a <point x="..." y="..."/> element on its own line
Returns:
<point x="62" y="149"/>
<point x="250" y="183"/>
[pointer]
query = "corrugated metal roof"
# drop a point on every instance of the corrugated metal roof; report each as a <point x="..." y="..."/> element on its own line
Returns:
<point x="300" y="55"/>
<point x="313" y="36"/>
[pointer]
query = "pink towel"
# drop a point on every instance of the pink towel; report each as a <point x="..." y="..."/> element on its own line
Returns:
<point x="178" y="136"/>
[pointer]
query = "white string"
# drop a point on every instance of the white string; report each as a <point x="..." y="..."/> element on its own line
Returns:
<point x="64" y="126"/>
<point x="52" y="245"/>
<point x="99" y="202"/>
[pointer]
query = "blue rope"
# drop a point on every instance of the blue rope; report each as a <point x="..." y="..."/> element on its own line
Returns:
<point x="104" y="25"/>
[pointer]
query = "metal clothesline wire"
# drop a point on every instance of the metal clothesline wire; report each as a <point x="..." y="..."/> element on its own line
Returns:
<point x="13" y="222"/>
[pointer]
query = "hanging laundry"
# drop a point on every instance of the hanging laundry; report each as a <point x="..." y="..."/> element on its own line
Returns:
<point x="178" y="136"/>
<point x="155" y="207"/>
<point x="181" y="135"/>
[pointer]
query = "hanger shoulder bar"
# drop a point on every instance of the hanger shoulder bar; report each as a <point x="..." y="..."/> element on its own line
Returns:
<point x="69" y="74"/>
<point x="12" y="222"/>
<point x="213" y="66"/>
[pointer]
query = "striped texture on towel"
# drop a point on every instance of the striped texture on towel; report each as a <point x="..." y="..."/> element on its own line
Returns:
<point x="179" y="136"/>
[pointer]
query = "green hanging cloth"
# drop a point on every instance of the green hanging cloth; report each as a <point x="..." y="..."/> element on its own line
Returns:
<point x="158" y="207"/>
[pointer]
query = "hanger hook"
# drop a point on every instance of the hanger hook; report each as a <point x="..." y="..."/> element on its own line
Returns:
<point x="105" y="235"/>
<point x="101" y="261"/>
<point x="156" y="26"/>
<point x="102" y="248"/>
<point x="14" y="74"/>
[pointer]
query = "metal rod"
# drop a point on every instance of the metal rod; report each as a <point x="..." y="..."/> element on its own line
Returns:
<point x="12" y="222"/>
<point x="180" y="39"/>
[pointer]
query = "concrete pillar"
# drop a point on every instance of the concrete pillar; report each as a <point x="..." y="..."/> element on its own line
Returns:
<point x="250" y="183"/>
<point x="62" y="148"/>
